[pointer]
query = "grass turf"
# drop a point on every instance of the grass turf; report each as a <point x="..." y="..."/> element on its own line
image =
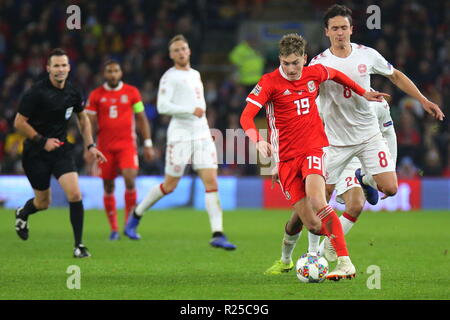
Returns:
<point x="174" y="260"/>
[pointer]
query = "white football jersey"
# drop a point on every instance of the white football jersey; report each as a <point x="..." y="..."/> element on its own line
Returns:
<point x="349" y="118"/>
<point x="180" y="92"/>
<point x="383" y="113"/>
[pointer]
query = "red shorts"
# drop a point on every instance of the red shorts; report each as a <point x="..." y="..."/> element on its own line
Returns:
<point x="125" y="158"/>
<point x="293" y="172"/>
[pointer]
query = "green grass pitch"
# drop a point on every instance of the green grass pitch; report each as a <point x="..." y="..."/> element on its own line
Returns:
<point x="174" y="260"/>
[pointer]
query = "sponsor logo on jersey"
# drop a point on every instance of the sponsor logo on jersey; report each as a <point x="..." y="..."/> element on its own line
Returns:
<point x="256" y="90"/>
<point x="124" y="98"/>
<point x="311" y="86"/>
<point x="387" y="124"/>
<point x="68" y="113"/>
<point x="362" y="68"/>
<point x="287" y="92"/>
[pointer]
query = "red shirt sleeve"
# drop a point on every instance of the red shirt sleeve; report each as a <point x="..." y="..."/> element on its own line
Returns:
<point x="136" y="96"/>
<point x="341" y="78"/>
<point x="262" y="93"/>
<point x="248" y="122"/>
<point x="91" y="104"/>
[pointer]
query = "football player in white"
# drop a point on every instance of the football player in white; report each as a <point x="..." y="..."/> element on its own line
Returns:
<point x="189" y="141"/>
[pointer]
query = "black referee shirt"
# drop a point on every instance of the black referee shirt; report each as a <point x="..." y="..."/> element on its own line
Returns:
<point x="49" y="109"/>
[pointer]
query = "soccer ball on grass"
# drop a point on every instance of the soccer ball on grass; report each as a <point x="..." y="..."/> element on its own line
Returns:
<point x="311" y="268"/>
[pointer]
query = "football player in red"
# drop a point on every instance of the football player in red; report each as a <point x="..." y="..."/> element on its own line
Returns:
<point x="116" y="109"/>
<point x="297" y="137"/>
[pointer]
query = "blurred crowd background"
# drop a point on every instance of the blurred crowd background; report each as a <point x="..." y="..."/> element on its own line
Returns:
<point x="414" y="37"/>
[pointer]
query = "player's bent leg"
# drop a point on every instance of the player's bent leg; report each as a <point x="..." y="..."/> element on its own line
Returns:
<point x="354" y="202"/>
<point x="370" y="192"/>
<point x="387" y="183"/>
<point x="155" y="193"/>
<point x="212" y="204"/>
<point x="41" y="201"/>
<point x="292" y="232"/>
<point x="69" y="183"/>
<point x="330" y="226"/>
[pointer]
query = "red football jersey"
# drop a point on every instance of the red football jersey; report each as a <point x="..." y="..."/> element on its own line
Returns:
<point x="292" y="116"/>
<point x="115" y="115"/>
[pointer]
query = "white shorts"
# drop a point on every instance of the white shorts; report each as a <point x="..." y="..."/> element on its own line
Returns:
<point x="373" y="154"/>
<point x="201" y="154"/>
<point x="347" y="180"/>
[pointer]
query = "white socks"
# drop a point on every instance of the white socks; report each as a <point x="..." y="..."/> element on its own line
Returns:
<point x="367" y="179"/>
<point x="313" y="242"/>
<point x="212" y="205"/>
<point x="288" y="246"/>
<point x="150" y="199"/>
<point x="346" y="224"/>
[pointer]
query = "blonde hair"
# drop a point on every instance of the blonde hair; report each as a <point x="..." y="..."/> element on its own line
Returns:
<point x="178" y="37"/>
<point x="292" y="43"/>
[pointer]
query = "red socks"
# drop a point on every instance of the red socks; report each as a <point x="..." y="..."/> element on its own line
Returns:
<point x="130" y="202"/>
<point x="332" y="228"/>
<point x="109" y="201"/>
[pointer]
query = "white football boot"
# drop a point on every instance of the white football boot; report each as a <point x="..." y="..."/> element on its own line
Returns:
<point x="344" y="269"/>
<point x="327" y="250"/>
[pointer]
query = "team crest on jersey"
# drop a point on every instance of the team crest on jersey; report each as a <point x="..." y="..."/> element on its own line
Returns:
<point x="68" y="113"/>
<point x="287" y="194"/>
<point x="124" y="98"/>
<point x="256" y="90"/>
<point x="362" y="68"/>
<point x="311" y="86"/>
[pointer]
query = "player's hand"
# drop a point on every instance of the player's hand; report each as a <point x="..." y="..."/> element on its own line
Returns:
<point x="375" y="96"/>
<point x="275" y="177"/>
<point x="199" y="112"/>
<point x="433" y="109"/>
<point x="88" y="157"/>
<point x="97" y="155"/>
<point x="264" y="148"/>
<point x="149" y="153"/>
<point x="52" y="144"/>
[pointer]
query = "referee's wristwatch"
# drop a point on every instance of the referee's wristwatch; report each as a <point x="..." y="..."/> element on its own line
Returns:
<point x="92" y="145"/>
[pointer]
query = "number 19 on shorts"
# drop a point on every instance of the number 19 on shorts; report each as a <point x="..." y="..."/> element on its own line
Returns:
<point x="314" y="162"/>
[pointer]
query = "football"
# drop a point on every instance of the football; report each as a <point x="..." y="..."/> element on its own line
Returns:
<point x="311" y="268"/>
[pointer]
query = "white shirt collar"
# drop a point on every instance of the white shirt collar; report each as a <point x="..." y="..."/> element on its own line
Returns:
<point x="108" y="88"/>
<point x="284" y="75"/>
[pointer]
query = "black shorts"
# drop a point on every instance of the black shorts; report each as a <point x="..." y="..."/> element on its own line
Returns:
<point x="40" y="165"/>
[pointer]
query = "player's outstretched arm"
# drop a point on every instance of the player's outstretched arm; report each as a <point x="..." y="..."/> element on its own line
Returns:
<point x="341" y="78"/>
<point x="406" y="85"/>
<point x="248" y="124"/>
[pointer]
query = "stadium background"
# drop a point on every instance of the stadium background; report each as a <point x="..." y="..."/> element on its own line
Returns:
<point x="414" y="37"/>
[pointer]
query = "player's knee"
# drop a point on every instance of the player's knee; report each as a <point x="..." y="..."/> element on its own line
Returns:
<point x="317" y="202"/>
<point x="314" y="227"/>
<point x="74" y="196"/>
<point x="390" y="190"/>
<point x="42" y="204"/>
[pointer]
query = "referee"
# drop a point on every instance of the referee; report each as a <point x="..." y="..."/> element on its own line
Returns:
<point x="43" y="116"/>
